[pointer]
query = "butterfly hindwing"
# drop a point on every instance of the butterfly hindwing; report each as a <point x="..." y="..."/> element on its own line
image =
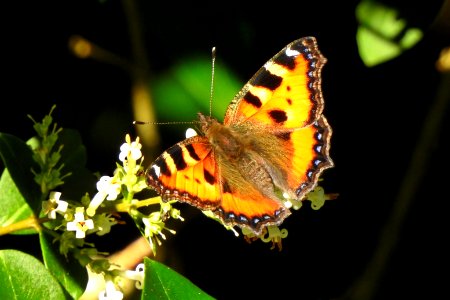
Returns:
<point x="308" y="149"/>
<point x="188" y="172"/>
<point x="248" y="207"/>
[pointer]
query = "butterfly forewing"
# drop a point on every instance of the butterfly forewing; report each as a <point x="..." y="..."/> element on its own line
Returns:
<point x="187" y="172"/>
<point x="285" y="92"/>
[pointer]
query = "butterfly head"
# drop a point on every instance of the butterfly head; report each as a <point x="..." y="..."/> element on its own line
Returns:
<point x="206" y="123"/>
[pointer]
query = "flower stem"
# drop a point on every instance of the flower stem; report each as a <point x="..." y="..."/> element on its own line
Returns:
<point x="125" y="206"/>
<point x="31" y="222"/>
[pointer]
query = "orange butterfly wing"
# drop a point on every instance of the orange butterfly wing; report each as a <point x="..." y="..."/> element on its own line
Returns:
<point x="285" y="92"/>
<point x="187" y="172"/>
<point x="279" y="111"/>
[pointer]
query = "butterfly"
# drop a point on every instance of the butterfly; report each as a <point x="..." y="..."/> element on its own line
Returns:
<point x="273" y="143"/>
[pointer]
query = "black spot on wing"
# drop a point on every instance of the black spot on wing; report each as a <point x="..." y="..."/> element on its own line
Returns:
<point x="163" y="168"/>
<point x="266" y="79"/>
<point x="209" y="177"/>
<point x="279" y="116"/>
<point x="253" y="100"/>
<point x="177" y="155"/>
<point x="192" y="152"/>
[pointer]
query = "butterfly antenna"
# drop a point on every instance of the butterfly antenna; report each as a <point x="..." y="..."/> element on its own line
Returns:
<point x="163" y="123"/>
<point x="213" y="57"/>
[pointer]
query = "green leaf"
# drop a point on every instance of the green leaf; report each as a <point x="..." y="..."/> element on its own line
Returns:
<point x="381" y="35"/>
<point x="22" y="276"/>
<point x="17" y="157"/>
<point x="14" y="206"/>
<point x="185" y="90"/>
<point x="70" y="274"/>
<point x="161" y="282"/>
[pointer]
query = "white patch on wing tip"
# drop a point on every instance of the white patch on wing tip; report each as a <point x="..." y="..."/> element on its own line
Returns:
<point x="290" y="52"/>
<point x="190" y="133"/>
<point x="157" y="170"/>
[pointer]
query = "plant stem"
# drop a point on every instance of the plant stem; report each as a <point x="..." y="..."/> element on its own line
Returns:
<point x="31" y="222"/>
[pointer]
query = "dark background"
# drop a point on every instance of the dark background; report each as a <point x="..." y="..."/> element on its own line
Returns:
<point x="377" y="115"/>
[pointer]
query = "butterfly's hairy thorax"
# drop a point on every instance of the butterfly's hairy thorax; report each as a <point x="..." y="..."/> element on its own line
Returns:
<point x="240" y="155"/>
<point x="224" y="141"/>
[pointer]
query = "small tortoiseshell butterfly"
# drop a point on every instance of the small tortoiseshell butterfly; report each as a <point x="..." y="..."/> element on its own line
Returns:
<point x="274" y="142"/>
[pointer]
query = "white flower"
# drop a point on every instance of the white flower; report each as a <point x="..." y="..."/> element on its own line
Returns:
<point x="106" y="185"/>
<point x="130" y="149"/>
<point x="54" y="205"/>
<point x="80" y="224"/>
<point x="137" y="275"/>
<point x="154" y="226"/>
<point x="110" y="292"/>
<point x="108" y="189"/>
